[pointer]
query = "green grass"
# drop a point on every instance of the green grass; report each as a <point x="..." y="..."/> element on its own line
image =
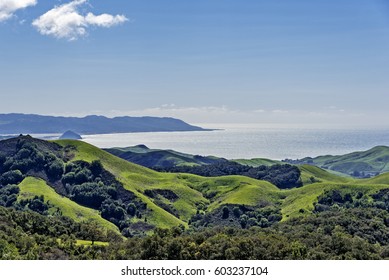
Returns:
<point x="309" y="172"/>
<point x="255" y="162"/>
<point x="304" y="198"/>
<point x="80" y="242"/>
<point x="380" y="179"/>
<point x="31" y="187"/>
<point x="89" y="243"/>
<point x="248" y="194"/>
<point x="232" y="190"/>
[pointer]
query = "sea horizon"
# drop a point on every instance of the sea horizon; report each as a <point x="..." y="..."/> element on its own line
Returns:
<point x="248" y="141"/>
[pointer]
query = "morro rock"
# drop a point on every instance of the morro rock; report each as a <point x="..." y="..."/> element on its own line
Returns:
<point x="70" y="135"/>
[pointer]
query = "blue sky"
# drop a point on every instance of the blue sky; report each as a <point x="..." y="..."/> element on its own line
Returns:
<point x="303" y="61"/>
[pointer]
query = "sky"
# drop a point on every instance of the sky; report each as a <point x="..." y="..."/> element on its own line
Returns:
<point x="308" y="62"/>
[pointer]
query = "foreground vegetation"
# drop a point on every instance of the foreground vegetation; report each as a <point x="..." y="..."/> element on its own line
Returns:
<point x="334" y="234"/>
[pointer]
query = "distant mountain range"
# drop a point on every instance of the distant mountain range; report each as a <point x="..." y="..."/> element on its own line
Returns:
<point x="30" y="123"/>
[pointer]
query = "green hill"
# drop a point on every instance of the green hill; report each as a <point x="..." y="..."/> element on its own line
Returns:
<point x="155" y="158"/>
<point x="301" y="201"/>
<point x="358" y="164"/>
<point x="312" y="174"/>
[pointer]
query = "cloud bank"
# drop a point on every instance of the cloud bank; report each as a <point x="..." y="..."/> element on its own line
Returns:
<point x="9" y="7"/>
<point x="66" y="21"/>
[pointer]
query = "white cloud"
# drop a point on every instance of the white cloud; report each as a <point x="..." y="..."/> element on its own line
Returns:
<point x="65" y="21"/>
<point x="104" y="20"/>
<point x="9" y="7"/>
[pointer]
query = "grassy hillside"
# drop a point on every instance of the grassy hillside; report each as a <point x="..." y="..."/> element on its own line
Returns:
<point x="31" y="187"/>
<point x="380" y="179"/>
<point x="300" y="202"/>
<point x="312" y="174"/>
<point x="194" y="192"/>
<point x="214" y="192"/>
<point x="174" y="199"/>
<point x="232" y="190"/>
<point x="358" y="164"/>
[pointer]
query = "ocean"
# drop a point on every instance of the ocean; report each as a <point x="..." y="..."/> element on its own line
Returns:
<point x="252" y="141"/>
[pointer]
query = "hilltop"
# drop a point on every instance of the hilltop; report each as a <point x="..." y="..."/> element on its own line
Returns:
<point x="38" y="124"/>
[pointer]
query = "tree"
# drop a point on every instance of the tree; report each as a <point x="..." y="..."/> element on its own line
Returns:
<point x="226" y="212"/>
<point x="96" y="168"/>
<point x="11" y="177"/>
<point x="92" y="230"/>
<point x="55" y="169"/>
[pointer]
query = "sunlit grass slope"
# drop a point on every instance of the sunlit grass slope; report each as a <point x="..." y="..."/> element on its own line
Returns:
<point x="300" y="201"/>
<point x="311" y="174"/>
<point x="380" y="179"/>
<point x="31" y="187"/>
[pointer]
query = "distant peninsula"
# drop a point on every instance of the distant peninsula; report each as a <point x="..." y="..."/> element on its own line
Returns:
<point x="38" y="124"/>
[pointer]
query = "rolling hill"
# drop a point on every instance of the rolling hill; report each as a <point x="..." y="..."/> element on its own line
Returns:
<point x="358" y="164"/>
<point x="162" y="200"/>
<point x="73" y="179"/>
<point x="156" y="158"/>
